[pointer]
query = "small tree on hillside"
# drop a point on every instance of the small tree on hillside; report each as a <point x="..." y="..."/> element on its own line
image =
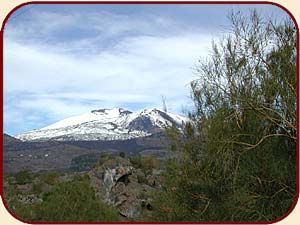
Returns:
<point x="122" y="155"/>
<point x="74" y="201"/>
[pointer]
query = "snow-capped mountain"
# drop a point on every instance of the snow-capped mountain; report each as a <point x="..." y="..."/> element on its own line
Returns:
<point x="106" y="124"/>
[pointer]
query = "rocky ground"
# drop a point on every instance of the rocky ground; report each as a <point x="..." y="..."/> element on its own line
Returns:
<point x="116" y="180"/>
<point x="125" y="187"/>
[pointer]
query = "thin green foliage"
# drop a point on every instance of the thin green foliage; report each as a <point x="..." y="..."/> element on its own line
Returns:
<point x="238" y="153"/>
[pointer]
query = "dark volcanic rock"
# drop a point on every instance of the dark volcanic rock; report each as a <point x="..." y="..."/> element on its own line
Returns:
<point x="142" y="123"/>
<point x="121" y="111"/>
<point x="116" y="181"/>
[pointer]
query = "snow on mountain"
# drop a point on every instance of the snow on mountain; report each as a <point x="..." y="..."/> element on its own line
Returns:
<point x="106" y="124"/>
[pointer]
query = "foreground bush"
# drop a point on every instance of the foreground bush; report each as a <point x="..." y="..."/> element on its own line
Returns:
<point x="23" y="177"/>
<point x="146" y="164"/>
<point x="74" y="201"/>
<point x="70" y="201"/>
<point x="238" y="155"/>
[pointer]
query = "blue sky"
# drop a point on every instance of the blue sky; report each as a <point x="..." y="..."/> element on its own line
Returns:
<point x="64" y="60"/>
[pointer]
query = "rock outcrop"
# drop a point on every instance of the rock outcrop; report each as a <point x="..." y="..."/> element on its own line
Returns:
<point x="120" y="184"/>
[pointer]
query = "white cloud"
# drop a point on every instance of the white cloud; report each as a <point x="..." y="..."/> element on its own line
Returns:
<point x="144" y="62"/>
<point x="136" y="69"/>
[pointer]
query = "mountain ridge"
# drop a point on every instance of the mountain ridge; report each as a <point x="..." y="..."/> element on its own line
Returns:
<point x="106" y="124"/>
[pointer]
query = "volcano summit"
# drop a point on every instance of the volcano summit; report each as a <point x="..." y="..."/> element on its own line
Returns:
<point x="106" y="124"/>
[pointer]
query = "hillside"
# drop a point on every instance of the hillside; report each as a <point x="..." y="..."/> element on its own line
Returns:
<point x="106" y="124"/>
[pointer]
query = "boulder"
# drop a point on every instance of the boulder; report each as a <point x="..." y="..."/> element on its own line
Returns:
<point x="29" y="199"/>
<point x="118" y="183"/>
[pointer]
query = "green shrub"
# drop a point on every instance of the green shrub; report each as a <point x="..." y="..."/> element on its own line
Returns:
<point x="74" y="201"/>
<point x="104" y="157"/>
<point x="23" y="177"/>
<point x="142" y="179"/>
<point x="122" y="155"/>
<point x="150" y="163"/>
<point x="136" y="162"/>
<point x="37" y="188"/>
<point x="146" y="164"/>
<point x="84" y="162"/>
<point x="50" y="178"/>
<point x="238" y="155"/>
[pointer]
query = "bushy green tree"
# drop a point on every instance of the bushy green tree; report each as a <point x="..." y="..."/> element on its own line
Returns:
<point x="146" y="164"/>
<point x="237" y="156"/>
<point x="68" y="201"/>
<point x="50" y="177"/>
<point x="122" y="155"/>
<point x="23" y="177"/>
<point x="74" y="201"/>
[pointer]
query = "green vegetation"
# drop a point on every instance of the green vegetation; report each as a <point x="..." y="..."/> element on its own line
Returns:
<point x="234" y="161"/>
<point x="23" y="177"/>
<point x="73" y="200"/>
<point x="142" y="179"/>
<point x="104" y="156"/>
<point x="237" y="158"/>
<point x="77" y="202"/>
<point x="122" y="155"/>
<point x="146" y="164"/>
<point x="50" y="178"/>
<point x="37" y="188"/>
<point x="84" y="162"/>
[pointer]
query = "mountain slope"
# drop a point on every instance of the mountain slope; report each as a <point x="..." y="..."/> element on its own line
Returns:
<point x="7" y="139"/>
<point x="106" y="124"/>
